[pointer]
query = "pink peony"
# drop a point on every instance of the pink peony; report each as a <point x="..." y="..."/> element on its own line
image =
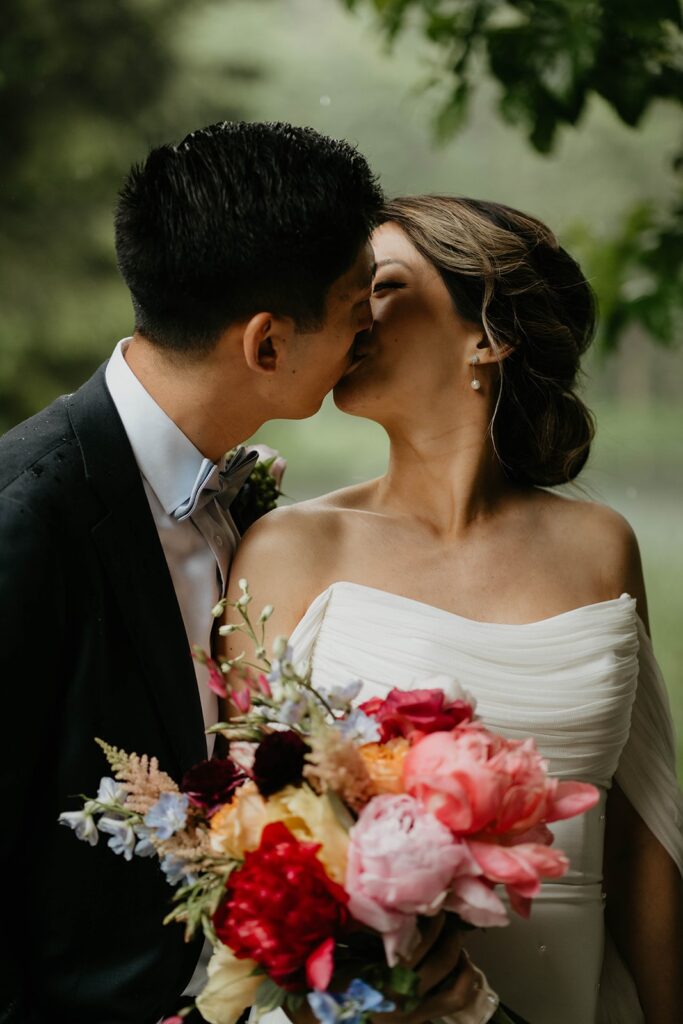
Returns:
<point x="401" y="862"/>
<point x="519" y="868"/>
<point x="451" y="774"/>
<point x="494" y="793"/>
<point x="479" y="783"/>
<point x="474" y="900"/>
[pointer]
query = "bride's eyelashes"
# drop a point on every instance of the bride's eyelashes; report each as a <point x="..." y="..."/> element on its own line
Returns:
<point x="381" y="285"/>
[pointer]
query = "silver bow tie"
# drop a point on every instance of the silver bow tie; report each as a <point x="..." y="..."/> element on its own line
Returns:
<point x="221" y="480"/>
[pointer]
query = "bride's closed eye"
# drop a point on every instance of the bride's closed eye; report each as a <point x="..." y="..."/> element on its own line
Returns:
<point x="381" y="285"/>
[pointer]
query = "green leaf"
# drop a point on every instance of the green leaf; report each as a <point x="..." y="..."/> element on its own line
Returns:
<point x="269" y="995"/>
<point x="404" y="981"/>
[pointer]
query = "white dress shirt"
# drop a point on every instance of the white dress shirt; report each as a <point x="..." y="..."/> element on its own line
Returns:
<point x="198" y="550"/>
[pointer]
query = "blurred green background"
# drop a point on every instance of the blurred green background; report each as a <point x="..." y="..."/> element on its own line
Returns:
<point x="522" y="102"/>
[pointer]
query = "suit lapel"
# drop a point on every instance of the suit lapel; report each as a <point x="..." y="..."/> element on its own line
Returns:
<point x="129" y="546"/>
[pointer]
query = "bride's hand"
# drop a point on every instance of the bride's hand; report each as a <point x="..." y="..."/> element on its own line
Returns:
<point x="448" y="981"/>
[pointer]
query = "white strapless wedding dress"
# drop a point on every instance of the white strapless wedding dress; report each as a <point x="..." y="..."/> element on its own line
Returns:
<point x="586" y="686"/>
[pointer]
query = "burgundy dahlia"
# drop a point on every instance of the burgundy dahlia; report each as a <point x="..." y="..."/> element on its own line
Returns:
<point x="279" y="761"/>
<point x="210" y="784"/>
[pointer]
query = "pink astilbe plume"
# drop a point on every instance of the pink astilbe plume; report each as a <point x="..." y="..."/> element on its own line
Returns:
<point x="140" y="775"/>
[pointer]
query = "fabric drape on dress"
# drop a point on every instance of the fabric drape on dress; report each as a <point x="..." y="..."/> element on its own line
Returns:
<point x="586" y="686"/>
<point x="647" y="776"/>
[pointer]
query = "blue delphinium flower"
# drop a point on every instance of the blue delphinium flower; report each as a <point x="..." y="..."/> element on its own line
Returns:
<point x="144" y="846"/>
<point x="359" y="726"/>
<point x="341" y="697"/>
<point x="168" y="815"/>
<point x="122" y="837"/>
<point x="292" y="711"/>
<point x="110" y="792"/>
<point x="351" y="1007"/>
<point x="82" y="822"/>
<point x="175" y="870"/>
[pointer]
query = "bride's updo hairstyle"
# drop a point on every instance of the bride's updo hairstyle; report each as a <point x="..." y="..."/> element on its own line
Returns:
<point x="506" y="272"/>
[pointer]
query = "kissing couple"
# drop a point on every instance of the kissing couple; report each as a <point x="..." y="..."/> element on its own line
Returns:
<point x="266" y="268"/>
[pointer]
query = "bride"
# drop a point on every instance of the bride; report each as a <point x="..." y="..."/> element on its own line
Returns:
<point x="460" y="561"/>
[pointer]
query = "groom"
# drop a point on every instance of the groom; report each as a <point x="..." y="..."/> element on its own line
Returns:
<point x="245" y="249"/>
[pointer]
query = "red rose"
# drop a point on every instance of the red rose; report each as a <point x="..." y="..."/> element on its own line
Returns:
<point x="410" y="712"/>
<point x="281" y="907"/>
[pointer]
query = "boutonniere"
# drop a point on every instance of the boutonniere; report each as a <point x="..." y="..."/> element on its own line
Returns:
<point x="262" y="490"/>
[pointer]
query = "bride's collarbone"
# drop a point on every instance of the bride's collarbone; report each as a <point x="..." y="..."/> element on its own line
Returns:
<point x="540" y="559"/>
<point x="515" y="583"/>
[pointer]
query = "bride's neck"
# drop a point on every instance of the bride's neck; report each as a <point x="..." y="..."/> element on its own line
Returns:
<point x="446" y="480"/>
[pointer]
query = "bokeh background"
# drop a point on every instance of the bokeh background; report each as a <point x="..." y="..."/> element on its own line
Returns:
<point x="568" y="109"/>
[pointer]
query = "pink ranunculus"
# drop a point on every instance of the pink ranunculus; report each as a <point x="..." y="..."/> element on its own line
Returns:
<point x="412" y="713"/>
<point x="401" y="862"/>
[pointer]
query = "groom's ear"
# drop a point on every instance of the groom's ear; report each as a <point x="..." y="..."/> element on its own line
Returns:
<point x="264" y="341"/>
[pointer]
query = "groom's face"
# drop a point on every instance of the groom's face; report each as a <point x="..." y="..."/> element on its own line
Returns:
<point x="318" y="359"/>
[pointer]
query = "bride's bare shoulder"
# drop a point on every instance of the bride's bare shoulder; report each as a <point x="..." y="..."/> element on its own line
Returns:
<point x="594" y="536"/>
<point x="313" y="521"/>
<point x="298" y="542"/>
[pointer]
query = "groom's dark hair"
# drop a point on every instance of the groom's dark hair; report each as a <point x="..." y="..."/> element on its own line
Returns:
<point x="240" y="218"/>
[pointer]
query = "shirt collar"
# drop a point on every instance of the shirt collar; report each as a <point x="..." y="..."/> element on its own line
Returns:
<point x="167" y="459"/>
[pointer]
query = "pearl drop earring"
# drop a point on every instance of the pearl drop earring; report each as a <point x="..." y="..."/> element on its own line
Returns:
<point x="475" y="383"/>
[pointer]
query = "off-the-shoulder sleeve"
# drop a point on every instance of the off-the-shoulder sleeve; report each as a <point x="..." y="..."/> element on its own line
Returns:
<point x="647" y="766"/>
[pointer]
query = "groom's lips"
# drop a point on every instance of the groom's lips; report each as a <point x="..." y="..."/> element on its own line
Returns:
<point x="362" y="345"/>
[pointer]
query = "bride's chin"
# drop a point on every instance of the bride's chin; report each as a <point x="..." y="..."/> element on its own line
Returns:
<point x="350" y="396"/>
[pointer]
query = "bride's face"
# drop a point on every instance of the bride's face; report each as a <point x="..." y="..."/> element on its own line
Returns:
<point x="416" y="353"/>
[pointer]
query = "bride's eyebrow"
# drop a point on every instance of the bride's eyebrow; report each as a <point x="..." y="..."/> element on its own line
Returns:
<point x="386" y="263"/>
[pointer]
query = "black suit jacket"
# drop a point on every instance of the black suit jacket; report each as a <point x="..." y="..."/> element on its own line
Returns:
<point x="93" y="645"/>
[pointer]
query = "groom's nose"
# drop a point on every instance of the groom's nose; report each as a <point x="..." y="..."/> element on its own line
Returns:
<point x="366" y="321"/>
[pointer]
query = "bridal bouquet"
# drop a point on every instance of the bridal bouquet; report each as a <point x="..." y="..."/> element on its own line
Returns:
<point x="308" y="856"/>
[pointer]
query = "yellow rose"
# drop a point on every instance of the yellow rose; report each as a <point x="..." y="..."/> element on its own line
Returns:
<point x="231" y="987"/>
<point x="237" y="827"/>
<point x="312" y="818"/>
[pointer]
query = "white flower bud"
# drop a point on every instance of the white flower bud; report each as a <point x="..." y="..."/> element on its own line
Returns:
<point x="243" y="584"/>
<point x="227" y="630"/>
<point x="279" y="646"/>
<point x="243" y="601"/>
<point x="225" y="667"/>
<point x="266" y="613"/>
<point x="218" y="609"/>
